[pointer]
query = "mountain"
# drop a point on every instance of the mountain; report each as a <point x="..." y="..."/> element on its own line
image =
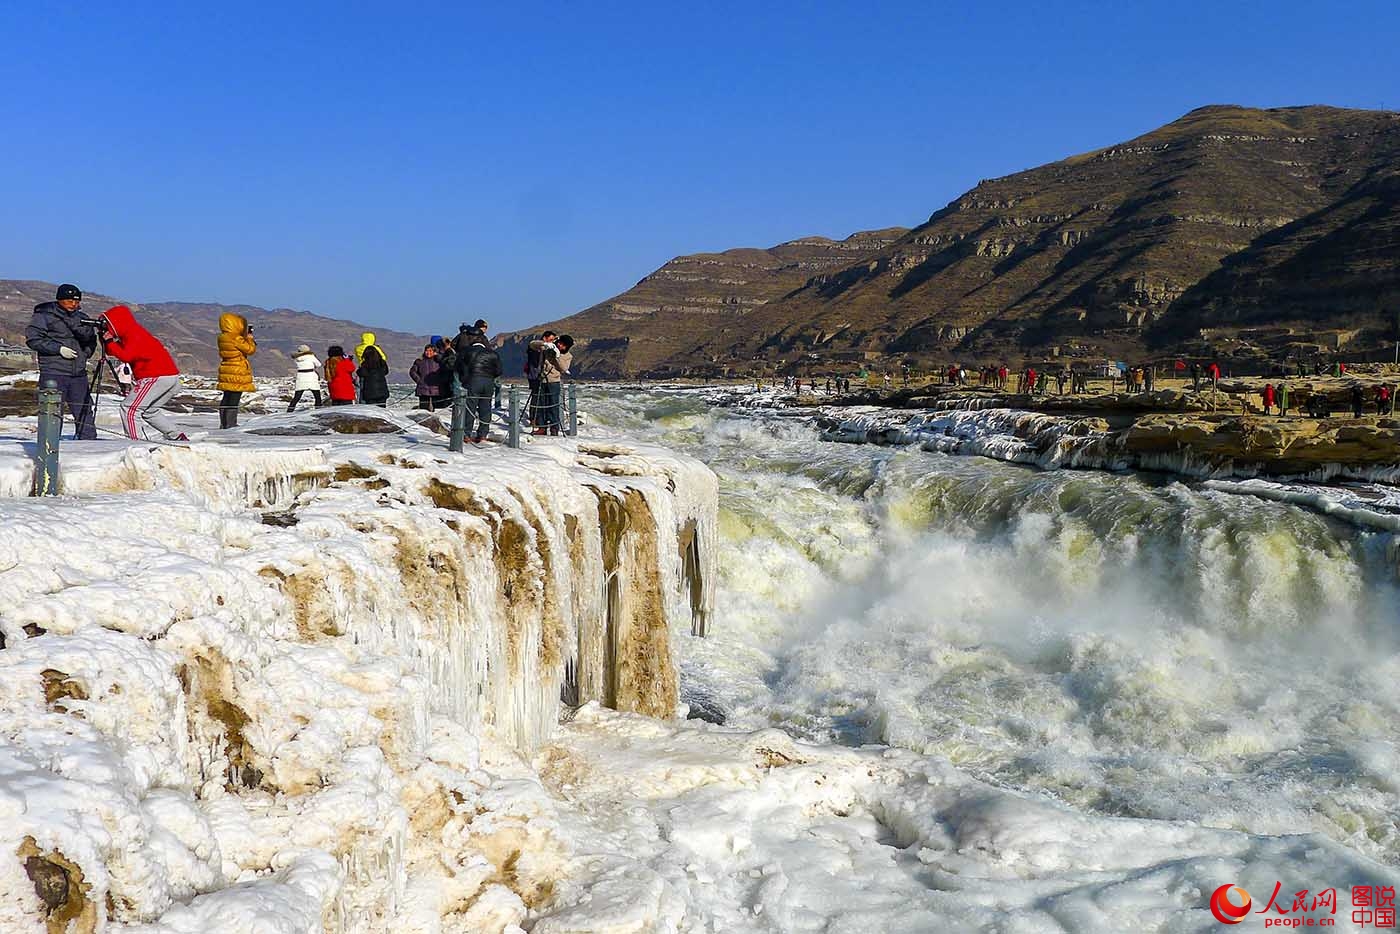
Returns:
<point x="1231" y="230"/>
<point x="189" y="329"/>
<point x="668" y="314"/>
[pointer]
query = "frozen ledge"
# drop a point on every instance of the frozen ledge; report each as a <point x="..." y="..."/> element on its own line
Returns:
<point x="286" y="682"/>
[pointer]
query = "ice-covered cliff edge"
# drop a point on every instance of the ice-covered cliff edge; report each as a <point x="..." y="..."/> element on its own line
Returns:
<point x="289" y="679"/>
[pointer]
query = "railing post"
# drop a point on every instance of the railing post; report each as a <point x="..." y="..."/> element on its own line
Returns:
<point x="50" y="427"/>
<point x="459" y="421"/>
<point x="513" y="417"/>
<point x="573" y="411"/>
<point x="497" y="403"/>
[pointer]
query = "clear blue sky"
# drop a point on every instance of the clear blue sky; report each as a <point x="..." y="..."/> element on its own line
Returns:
<point x="414" y="164"/>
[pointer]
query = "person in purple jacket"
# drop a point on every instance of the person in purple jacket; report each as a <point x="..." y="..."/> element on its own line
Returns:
<point x="426" y="375"/>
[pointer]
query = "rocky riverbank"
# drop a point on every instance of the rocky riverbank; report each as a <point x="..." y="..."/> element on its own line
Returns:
<point x="1221" y="431"/>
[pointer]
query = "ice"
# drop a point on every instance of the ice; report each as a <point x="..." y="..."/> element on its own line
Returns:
<point x="263" y="685"/>
<point x="752" y="831"/>
<point x="305" y="682"/>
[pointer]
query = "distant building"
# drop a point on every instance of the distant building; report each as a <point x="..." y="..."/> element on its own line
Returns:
<point x="15" y="353"/>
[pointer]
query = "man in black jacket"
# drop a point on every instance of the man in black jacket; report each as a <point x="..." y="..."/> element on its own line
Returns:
<point x="64" y="341"/>
<point x="478" y="368"/>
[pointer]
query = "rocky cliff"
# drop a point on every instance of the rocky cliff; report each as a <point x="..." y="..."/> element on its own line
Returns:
<point x="189" y="329"/>
<point x="687" y="302"/>
<point x="1231" y="231"/>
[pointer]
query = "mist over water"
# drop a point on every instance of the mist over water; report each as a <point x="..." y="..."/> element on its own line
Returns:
<point x="1130" y="645"/>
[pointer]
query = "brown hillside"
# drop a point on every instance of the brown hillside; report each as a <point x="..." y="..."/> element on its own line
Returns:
<point x="1229" y="231"/>
<point x="666" y="315"/>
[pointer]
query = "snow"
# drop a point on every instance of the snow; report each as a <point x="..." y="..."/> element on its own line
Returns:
<point x="231" y="725"/>
<point x="753" y="831"/>
<point x="297" y="683"/>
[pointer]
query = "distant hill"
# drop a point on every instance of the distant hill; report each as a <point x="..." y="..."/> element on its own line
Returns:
<point x="190" y="329"/>
<point x="668" y="314"/>
<point x="1231" y="230"/>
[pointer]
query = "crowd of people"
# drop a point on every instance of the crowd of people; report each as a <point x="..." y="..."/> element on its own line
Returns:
<point x="65" y="342"/>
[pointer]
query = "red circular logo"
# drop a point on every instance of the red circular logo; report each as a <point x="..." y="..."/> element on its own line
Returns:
<point x="1225" y="910"/>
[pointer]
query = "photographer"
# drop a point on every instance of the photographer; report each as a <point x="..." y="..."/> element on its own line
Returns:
<point x="156" y="376"/>
<point x="236" y="345"/>
<point x="64" y="340"/>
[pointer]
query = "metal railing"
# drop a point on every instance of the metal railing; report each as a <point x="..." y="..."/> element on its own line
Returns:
<point x="46" y="474"/>
<point x="565" y="416"/>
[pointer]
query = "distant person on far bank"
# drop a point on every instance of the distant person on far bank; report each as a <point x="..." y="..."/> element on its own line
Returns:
<point x="340" y="376"/>
<point x="374" y="372"/>
<point x="308" y="377"/>
<point x="236" y="345"/>
<point x="156" y="378"/>
<point x="478" y="368"/>
<point x="64" y="341"/>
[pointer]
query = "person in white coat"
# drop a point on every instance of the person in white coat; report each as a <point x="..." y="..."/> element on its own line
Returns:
<point x="308" y="376"/>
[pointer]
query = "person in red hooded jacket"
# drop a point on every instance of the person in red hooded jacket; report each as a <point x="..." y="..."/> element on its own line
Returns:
<point x="155" y="373"/>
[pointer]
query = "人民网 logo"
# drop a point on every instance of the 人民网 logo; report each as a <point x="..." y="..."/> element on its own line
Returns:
<point x="1225" y="910"/>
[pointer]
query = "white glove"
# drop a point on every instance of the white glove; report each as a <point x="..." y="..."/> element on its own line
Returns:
<point x="67" y="353"/>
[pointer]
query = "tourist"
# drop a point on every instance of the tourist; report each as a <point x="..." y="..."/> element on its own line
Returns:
<point x="1282" y="399"/>
<point x="426" y="376"/>
<point x="64" y="340"/>
<point x="478" y="368"/>
<point x="156" y="377"/>
<point x="1195" y="376"/>
<point x="555" y="361"/>
<point x="340" y="376"/>
<point x="1213" y="371"/>
<point x="1268" y="398"/>
<point x="374" y="372"/>
<point x="1358" y="400"/>
<point x="1382" y="399"/>
<point x="534" y="364"/>
<point x="236" y="345"/>
<point x="308" y="377"/>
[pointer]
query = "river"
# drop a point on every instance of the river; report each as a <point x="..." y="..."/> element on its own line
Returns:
<point x="1130" y="645"/>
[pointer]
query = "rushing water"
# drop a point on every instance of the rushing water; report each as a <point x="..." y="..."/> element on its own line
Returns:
<point x="1130" y="645"/>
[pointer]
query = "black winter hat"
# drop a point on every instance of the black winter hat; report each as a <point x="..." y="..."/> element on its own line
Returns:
<point x="67" y="291"/>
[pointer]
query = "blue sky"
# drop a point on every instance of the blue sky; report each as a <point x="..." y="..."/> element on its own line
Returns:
<point x="412" y="164"/>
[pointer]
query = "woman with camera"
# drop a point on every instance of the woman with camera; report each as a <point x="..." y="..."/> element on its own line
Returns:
<point x="236" y="345"/>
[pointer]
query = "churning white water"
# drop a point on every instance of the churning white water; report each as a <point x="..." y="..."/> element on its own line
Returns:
<point x="1129" y="645"/>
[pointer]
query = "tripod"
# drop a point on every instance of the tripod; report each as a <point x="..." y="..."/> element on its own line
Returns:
<point x="94" y="392"/>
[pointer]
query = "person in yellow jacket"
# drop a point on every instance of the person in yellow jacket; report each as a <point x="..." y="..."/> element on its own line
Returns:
<point x="374" y="371"/>
<point x="236" y="345"/>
